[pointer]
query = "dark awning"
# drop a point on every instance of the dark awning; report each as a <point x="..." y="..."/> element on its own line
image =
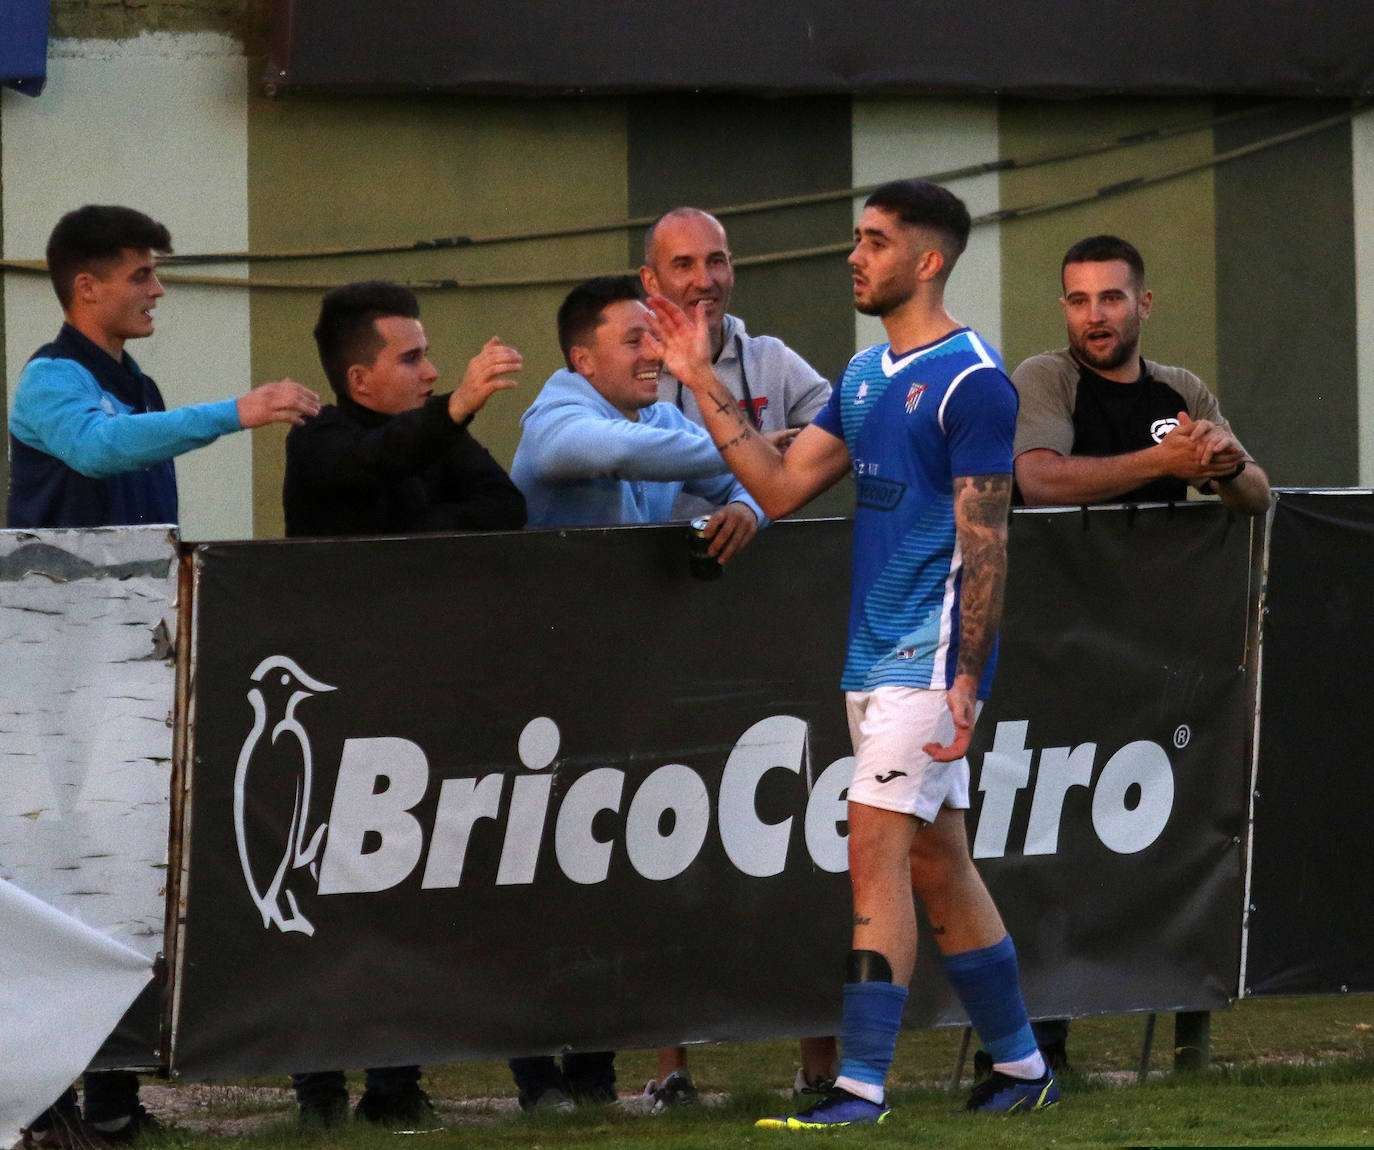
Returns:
<point x="24" y="44"/>
<point x="1061" y="47"/>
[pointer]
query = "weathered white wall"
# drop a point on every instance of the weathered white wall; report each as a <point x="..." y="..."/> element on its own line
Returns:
<point x="86" y="706"/>
<point x="160" y="124"/>
<point x="897" y="138"/>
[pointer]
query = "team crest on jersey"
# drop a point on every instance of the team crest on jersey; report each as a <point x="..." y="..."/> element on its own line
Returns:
<point x="913" y="396"/>
<point x="862" y="393"/>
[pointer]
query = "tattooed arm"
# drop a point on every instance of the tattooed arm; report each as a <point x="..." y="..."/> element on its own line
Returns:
<point x="780" y="482"/>
<point x="981" y="508"/>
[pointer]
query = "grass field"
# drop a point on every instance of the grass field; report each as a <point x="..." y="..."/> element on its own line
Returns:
<point x="1298" y="1072"/>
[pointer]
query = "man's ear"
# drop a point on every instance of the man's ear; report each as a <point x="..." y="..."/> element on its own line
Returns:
<point x="582" y="360"/>
<point x="649" y="280"/>
<point x="930" y="264"/>
<point x="85" y="286"/>
<point x="358" y="378"/>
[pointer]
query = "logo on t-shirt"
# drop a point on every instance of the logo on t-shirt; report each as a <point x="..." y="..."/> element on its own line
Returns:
<point x="862" y="393"/>
<point x="1161" y="427"/>
<point x="913" y="396"/>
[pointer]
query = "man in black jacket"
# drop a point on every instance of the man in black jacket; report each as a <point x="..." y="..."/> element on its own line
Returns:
<point x="391" y="458"/>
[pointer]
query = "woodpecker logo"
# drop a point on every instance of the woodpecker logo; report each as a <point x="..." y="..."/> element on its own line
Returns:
<point x="277" y="752"/>
<point x="913" y="397"/>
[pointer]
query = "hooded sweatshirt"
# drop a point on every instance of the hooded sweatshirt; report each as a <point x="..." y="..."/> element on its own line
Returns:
<point x="582" y="463"/>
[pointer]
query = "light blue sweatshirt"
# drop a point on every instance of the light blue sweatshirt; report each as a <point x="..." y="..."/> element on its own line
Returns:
<point x="582" y="463"/>
<point x="60" y="408"/>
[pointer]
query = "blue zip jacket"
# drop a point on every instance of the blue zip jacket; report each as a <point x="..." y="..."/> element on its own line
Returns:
<point x="91" y="441"/>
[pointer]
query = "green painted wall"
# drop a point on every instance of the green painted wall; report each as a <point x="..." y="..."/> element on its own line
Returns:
<point x="1171" y="223"/>
<point x="330" y="171"/>
<point x="709" y="151"/>
<point x="1287" y="300"/>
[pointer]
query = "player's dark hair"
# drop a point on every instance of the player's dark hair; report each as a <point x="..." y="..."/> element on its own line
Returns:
<point x="94" y="238"/>
<point x="1104" y="249"/>
<point x="580" y="313"/>
<point x="346" y="332"/>
<point x="921" y="204"/>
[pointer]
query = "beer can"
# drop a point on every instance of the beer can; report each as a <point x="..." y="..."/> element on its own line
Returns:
<point x="699" y="558"/>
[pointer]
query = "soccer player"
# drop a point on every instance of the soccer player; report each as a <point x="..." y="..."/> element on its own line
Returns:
<point x="926" y="423"/>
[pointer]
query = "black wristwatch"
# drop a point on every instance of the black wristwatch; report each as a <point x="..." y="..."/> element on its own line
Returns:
<point x="1234" y="475"/>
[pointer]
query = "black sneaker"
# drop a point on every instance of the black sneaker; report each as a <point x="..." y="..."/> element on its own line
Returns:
<point x="804" y="1087"/>
<point x="324" y="1113"/>
<point x="138" y="1125"/>
<point x="409" y="1109"/>
<point x="65" y="1133"/>
<point x="675" y="1090"/>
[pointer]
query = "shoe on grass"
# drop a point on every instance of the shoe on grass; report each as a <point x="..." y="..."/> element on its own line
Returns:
<point x="804" y="1088"/>
<point x="1002" y="1094"/>
<point x="408" y="1109"/>
<point x="677" y="1089"/>
<point x="838" y="1108"/>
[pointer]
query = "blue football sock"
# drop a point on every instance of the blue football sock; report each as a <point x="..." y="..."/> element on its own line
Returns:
<point x="872" y="1017"/>
<point x="989" y="986"/>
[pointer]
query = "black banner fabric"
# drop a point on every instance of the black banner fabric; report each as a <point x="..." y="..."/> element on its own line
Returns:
<point x="824" y="46"/>
<point x="1314" y="789"/>
<point x="470" y="796"/>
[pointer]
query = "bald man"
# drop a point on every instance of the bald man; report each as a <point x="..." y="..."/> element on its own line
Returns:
<point x="687" y="260"/>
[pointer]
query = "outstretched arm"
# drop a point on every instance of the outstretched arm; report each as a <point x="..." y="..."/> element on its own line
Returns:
<point x="282" y="401"/>
<point x="780" y="482"/>
<point x="981" y="508"/>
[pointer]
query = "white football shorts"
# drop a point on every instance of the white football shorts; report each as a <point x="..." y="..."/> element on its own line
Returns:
<point x="888" y="727"/>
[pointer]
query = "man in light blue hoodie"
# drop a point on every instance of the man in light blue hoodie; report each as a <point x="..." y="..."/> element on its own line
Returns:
<point x="597" y="448"/>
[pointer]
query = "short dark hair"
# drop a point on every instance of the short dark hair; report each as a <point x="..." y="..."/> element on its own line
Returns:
<point x="94" y="238"/>
<point x="1104" y="249"/>
<point x="921" y="204"/>
<point x="580" y="313"/>
<point x="346" y="332"/>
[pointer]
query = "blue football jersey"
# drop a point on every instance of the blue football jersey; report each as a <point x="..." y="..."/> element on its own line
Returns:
<point x="912" y="424"/>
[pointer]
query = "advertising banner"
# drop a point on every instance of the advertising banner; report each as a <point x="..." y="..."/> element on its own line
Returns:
<point x="487" y="795"/>
<point x="1308" y="933"/>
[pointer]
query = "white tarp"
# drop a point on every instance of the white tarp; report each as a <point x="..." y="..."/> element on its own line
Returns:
<point x="63" y="986"/>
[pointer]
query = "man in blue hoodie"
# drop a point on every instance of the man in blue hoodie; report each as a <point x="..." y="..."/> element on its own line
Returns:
<point x="598" y="448"/>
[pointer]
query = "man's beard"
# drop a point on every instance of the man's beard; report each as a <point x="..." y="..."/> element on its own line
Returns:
<point x="883" y="304"/>
<point x="1123" y="351"/>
